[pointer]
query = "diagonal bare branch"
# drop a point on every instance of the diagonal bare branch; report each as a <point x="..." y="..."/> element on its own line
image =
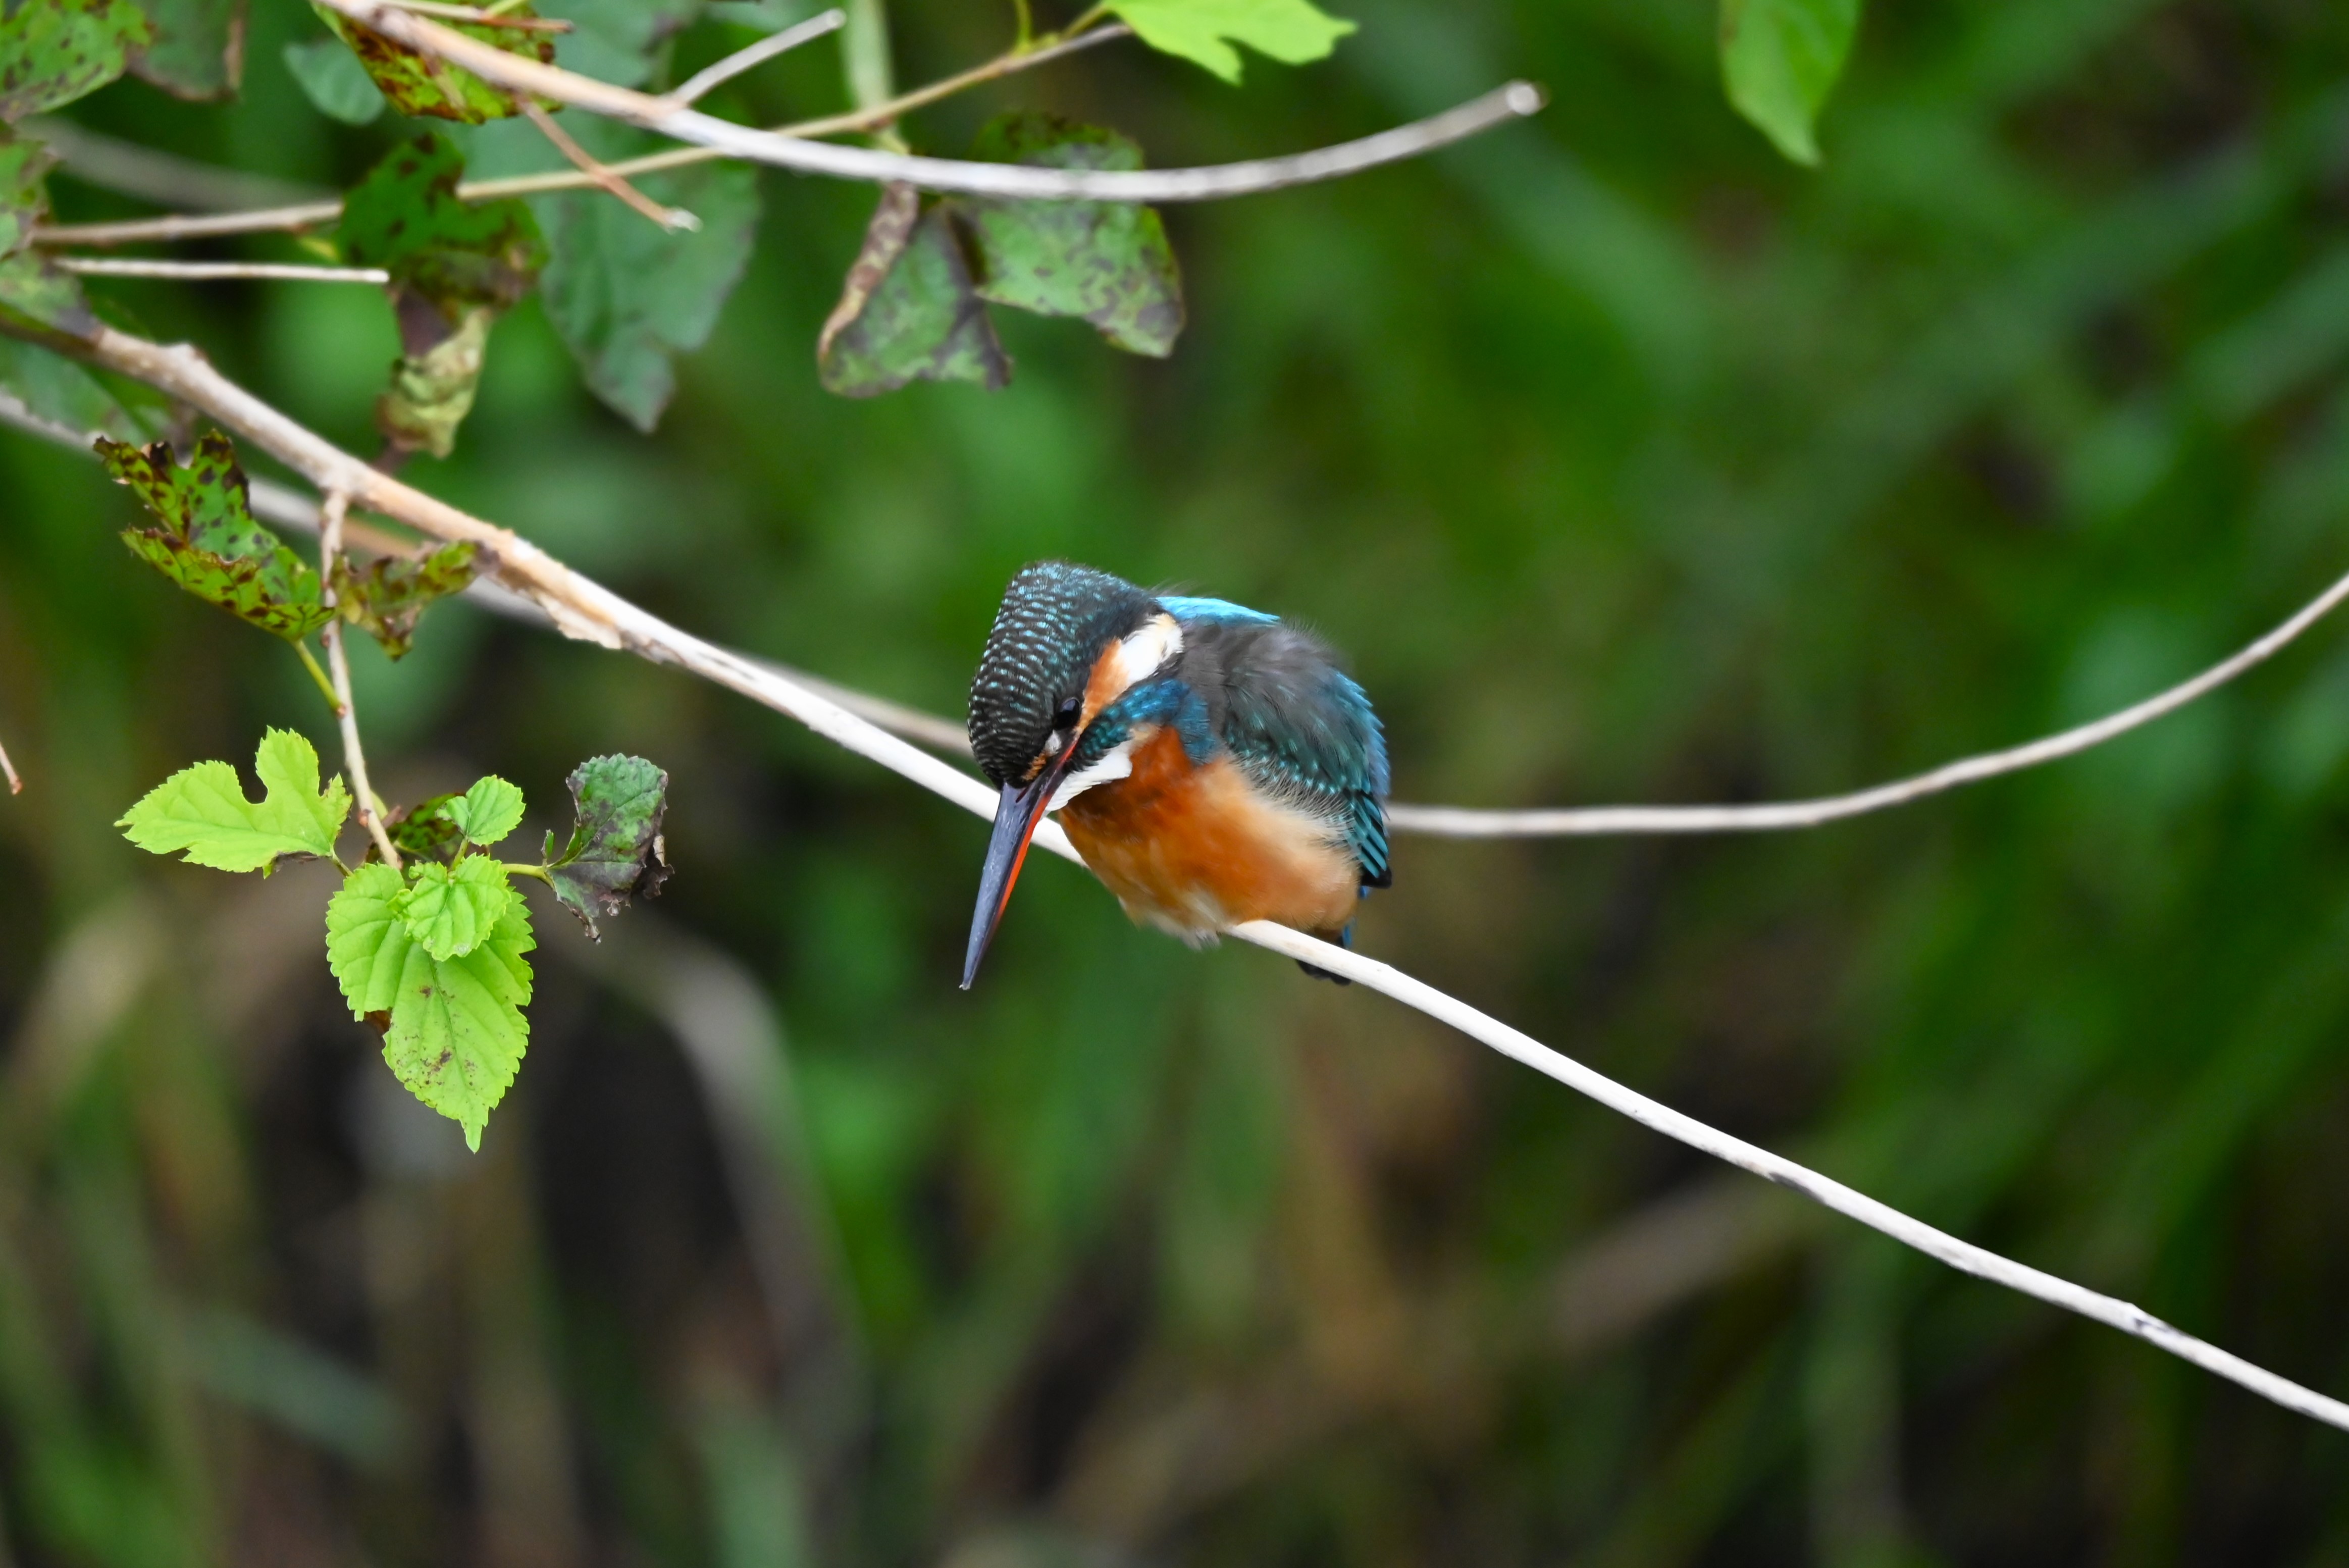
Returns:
<point x="584" y="609"/>
<point x="517" y="75"/>
<point x="702" y="82"/>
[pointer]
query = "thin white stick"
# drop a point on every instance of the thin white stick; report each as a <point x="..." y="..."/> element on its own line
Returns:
<point x="517" y="74"/>
<point x="16" y="785"/>
<point x="757" y="53"/>
<point x="339" y="666"/>
<point x="206" y="271"/>
<point x="584" y="609"/>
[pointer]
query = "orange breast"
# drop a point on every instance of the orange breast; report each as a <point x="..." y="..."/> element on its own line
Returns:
<point x="1196" y="850"/>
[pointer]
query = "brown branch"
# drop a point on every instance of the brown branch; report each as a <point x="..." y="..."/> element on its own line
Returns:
<point x="670" y="218"/>
<point x="310" y="215"/>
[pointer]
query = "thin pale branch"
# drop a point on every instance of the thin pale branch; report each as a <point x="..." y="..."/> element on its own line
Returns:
<point x="8" y="768"/>
<point x="702" y="82"/>
<point x="207" y="271"/>
<point x="517" y="74"/>
<point x="310" y="215"/>
<point x="670" y="218"/>
<point x="586" y="610"/>
<point x="330" y="557"/>
<point x="479" y="17"/>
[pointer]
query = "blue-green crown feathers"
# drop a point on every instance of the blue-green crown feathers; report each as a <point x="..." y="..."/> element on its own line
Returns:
<point x="1055" y="619"/>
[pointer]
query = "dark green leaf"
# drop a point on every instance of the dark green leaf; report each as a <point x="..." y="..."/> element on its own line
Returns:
<point x="334" y="81"/>
<point x="405" y="217"/>
<point x="199" y="48"/>
<point x="36" y="292"/>
<point x="615" y="41"/>
<point x="453" y="1029"/>
<point x="420" y="86"/>
<point x="201" y="813"/>
<point x="424" y="832"/>
<point x="207" y="541"/>
<point x="24" y="165"/>
<point x="54" y="51"/>
<point x="1289" y="31"/>
<point x="909" y="310"/>
<point x="385" y="597"/>
<point x="1107" y="262"/>
<point x="625" y="295"/>
<point x="614" y="852"/>
<point x="1780" y="59"/>
<point x="55" y="388"/>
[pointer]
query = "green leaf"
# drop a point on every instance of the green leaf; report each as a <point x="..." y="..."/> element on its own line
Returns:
<point x="453" y="1029"/>
<point x="625" y="295"/>
<point x="334" y="81"/>
<point x="432" y="391"/>
<point x="1107" y="262"/>
<point x="423" y="831"/>
<point x="488" y="812"/>
<point x="199" y="48"/>
<point x="418" y="87"/>
<point x="450" y="910"/>
<point x="209" y="544"/>
<point x="615" y="40"/>
<point x="201" y="813"/>
<point x="388" y="595"/>
<point x="58" y="390"/>
<point x="24" y="165"/>
<point x="909" y="310"/>
<point x="614" y="852"/>
<point x="1289" y="31"/>
<point x="1780" y="59"/>
<point x="405" y="217"/>
<point x="54" y="51"/>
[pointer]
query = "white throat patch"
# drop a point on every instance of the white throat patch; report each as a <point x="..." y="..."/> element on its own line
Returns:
<point x="1142" y="651"/>
<point x="1118" y="764"/>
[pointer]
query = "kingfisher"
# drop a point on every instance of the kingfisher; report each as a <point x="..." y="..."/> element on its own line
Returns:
<point x="1211" y="763"/>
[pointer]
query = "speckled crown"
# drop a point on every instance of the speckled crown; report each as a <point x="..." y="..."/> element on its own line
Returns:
<point x="1056" y="618"/>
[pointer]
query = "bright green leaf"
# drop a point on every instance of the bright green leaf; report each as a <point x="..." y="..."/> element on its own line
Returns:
<point x="334" y="81"/>
<point x="431" y="391"/>
<point x="418" y="87"/>
<point x="614" y="852"/>
<point x="201" y="813"/>
<point x="1289" y="31"/>
<point x="909" y="310"/>
<point x="1780" y="59"/>
<point x="450" y="910"/>
<point x="625" y="295"/>
<point x="1107" y="262"/>
<point x="385" y="597"/>
<point x="54" y="51"/>
<point x="488" y="812"/>
<point x="199" y="48"/>
<point x="208" y="542"/>
<point x="453" y="1029"/>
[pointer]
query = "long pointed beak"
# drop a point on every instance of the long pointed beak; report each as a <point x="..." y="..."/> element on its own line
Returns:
<point x="1015" y="816"/>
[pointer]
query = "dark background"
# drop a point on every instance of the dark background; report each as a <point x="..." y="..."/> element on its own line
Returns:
<point x="1628" y="462"/>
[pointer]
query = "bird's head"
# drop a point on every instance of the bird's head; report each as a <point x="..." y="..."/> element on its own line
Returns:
<point x="1067" y="643"/>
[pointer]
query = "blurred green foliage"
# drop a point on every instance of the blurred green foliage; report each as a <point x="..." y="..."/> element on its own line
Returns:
<point x="1629" y="462"/>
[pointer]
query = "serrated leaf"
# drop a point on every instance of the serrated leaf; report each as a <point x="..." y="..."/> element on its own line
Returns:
<point x="614" y="852"/>
<point x="1107" y="262"/>
<point x="625" y="295"/>
<point x="1204" y="31"/>
<point x="1779" y="60"/>
<point x="385" y="597"/>
<point x="199" y="48"/>
<point x="334" y="81"/>
<point x="420" y="86"/>
<point x="405" y="218"/>
<point x="201" y="813"/>
<point x="909" y="310"/>
<point x="208" y="542"/>
<point x="54" y="51"/>
<point x="488" y="812"/>
<point x="450" y="910"/>
<point x="453" y="1029"/>
<point x="423" y="831"/>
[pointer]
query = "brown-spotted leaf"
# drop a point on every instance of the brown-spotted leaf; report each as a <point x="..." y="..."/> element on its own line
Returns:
<point x="54" y="51"/>
<point x="417" y="85"/>
<point x="614" y="853"/>
<point x="385" y="598"/>
<point x="909" y="310"/>
<point x="207" y="541"/>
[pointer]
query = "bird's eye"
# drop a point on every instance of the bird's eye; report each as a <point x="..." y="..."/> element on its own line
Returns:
<point x="1066" y="718"/>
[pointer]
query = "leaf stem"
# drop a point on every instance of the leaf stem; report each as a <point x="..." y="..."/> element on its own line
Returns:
<point x="310" y="662"/>
<point x="1026" y="36"/>
<point x="331" y="508"/>
<point x="516" y="868"/>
